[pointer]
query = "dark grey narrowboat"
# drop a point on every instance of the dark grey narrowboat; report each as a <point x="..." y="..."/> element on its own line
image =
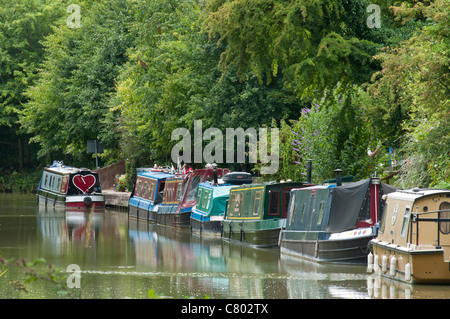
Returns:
<point x="334" y="224"/>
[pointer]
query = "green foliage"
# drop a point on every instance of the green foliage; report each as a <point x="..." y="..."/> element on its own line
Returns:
<point x="314" y="44"/>
<point x="70" y="98"/>
<point x="333" y="135"/>
<point x="38" y="271"/>
<point x="410" y="96"/>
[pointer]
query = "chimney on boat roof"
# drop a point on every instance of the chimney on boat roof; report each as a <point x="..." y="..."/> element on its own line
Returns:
<point x="309" y="171"/>
<point x="338" y="177"/>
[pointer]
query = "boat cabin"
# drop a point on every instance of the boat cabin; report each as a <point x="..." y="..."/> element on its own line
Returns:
<point x="256" y="213"/>
<point x="67" y="186"/>
<point x="212" y="199"/>
<point x="413" y="243"/>
<point x="333" y="223"/>
<point x="147" y="193"/>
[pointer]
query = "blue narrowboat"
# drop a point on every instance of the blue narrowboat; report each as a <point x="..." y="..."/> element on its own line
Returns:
<point x="333" y="223"/>
<point x="147" y="195"/>
<point x="212" y="199"/>
<point x="177" y="204"/>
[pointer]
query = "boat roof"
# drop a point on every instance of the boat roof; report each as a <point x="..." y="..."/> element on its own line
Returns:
<point x="416" y="193"/>
<point x="313" y="187"/>
<point x="155" y="175"/>
<point x="218" y="189"/>
<point x="59" y="167"/>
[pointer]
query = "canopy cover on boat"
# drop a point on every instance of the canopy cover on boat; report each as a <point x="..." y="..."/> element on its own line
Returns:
<point x="349" y="202"/>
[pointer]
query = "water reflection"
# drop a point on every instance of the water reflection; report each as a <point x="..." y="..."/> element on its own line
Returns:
<point x="122" y="258"/>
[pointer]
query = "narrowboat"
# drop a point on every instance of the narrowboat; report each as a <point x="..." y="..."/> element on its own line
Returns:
<point x="66" y="186"/>
<point x="413" y="242"/>
<point x="256" y="213"/>
<point x="212" y="198"/>
<point x="147" y="194"/>
<point x="333" y="224"/>
<point x="177" y="206"/>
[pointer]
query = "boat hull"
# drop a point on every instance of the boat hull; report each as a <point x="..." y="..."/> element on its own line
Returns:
<point x="257" y="233"/>
<point x="178" y="220"/>
<point x="211" y="227"/>
<point x="74" y="202"/>
<point x="427" y="265"/>
<point x="337" y="250"/>
<point x="141" y="213"/>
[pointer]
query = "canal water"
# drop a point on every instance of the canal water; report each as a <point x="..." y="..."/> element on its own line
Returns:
<point x="120" y="258"/>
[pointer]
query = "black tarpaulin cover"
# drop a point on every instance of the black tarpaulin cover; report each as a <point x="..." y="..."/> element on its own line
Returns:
<point x="347" y="203"/>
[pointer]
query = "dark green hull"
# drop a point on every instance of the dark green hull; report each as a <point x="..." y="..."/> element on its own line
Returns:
<point x="258" y="233"/>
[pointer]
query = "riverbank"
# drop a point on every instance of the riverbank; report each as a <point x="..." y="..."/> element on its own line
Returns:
<point x="24" y="181"/>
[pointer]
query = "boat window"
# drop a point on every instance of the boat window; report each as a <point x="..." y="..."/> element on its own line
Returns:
<point x="209" y="199"/>
<point x="405" y="221"/>
<point x="152" y="189"/>
<point x="232" y="203"/>
<point x="58" y="187"/>
<point x="205" y="198"/>
<point x="394" y="214"/>
<point x="178" y="191"/>
<point x="303" y="212"/>
<point x="199" y="197"/>
<point x="321" y="208"/>
<point x="144" y="190"/>
<point x="138" y="189"/>
<point x="237" y="204"/>
<point x="45" y="180"/>
<point x="383" y="218"/>
<point x="292" y="210"/>
<point x="274" y="207"/>
<point x="257" y="204"/>
<point x="444" y="227"/>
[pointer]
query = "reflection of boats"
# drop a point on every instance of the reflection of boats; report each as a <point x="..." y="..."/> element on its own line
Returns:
<point x="148" y="193"/>
<point x="212" y="198"/>
<point x="333" y="224"/>
<point x="178" y="213"/>
<point x="413" y="244"/>
<point x="65" y="186"/>
<point x="256" y="213"/>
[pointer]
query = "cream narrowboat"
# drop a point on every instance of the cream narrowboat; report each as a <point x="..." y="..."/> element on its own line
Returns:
<point x="413" y="243"/>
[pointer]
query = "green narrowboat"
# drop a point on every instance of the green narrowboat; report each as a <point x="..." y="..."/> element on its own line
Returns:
<point x="212" y="199"/>
<point x="256" y="213"/>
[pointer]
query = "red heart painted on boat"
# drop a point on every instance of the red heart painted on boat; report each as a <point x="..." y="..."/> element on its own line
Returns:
<point x="83" y="182"/>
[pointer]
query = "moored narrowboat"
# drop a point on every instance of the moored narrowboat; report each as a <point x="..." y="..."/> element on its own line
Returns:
<point x="147" y="194"/>
<point x="66" y="186"/>
<point x="177" y="213"/>
<point x="212" y="198"/>
<point x="413" y="243"/>
<point x="256" y="213"/>
<point x="333" y="223"/>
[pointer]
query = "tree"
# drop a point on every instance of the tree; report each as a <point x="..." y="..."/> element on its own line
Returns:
<point x="414" y="83"/>
<point x="23" y="25"/>
<point x="68" y="103"/>
<point x="314" y="45"/>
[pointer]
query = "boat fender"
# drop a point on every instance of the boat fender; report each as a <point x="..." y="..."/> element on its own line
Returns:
<point x="392" y="266"/>
<point x="384" y="264"/>
<point x="407" y="272"/>
<point x="376" y="266"/>
<point x="87" y="200"/>
<point x="370" y="262"/>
